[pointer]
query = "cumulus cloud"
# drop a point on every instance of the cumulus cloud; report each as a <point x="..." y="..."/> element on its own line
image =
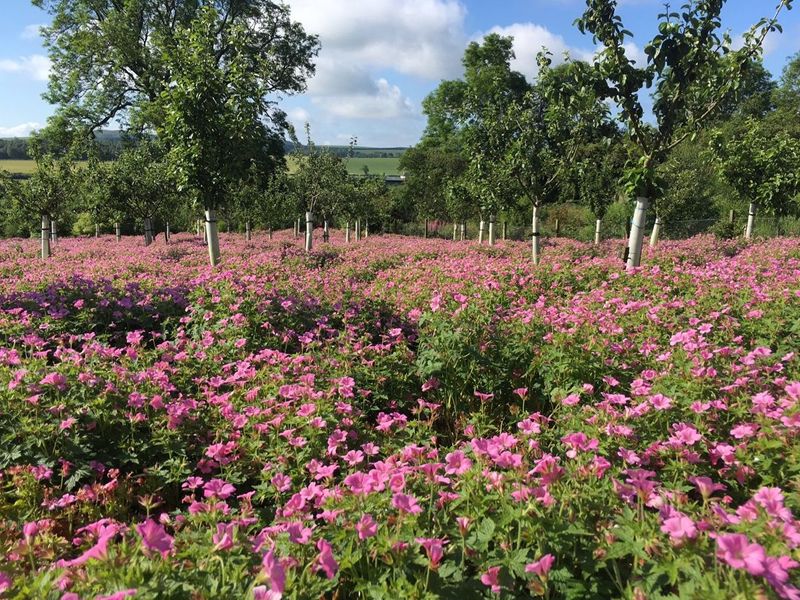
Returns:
<point x="382" y="101"/>
<point x="21" y="130"/>
<point x="423" y="38"/>
<point x="31" y="32"/>
<point x="34" y="66"/>
<point x="530" y="39"/>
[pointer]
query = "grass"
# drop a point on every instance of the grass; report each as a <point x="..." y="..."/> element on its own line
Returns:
<point x="355" y="166"/>
<point x="21" y="167"/>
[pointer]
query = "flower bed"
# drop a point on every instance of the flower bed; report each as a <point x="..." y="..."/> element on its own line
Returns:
<point x="399" y="418"/>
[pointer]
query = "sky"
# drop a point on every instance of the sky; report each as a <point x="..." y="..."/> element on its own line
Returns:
<point x="380" y="58"/>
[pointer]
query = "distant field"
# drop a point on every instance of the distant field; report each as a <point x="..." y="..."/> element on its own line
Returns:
<point x="377" y="166"/>
<point x="24" y="167"/>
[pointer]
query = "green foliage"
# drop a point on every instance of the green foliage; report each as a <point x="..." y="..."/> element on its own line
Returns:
<point x="762" y="165"/>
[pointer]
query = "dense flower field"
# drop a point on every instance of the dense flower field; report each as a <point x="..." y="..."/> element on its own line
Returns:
<point x="399" y="418"/>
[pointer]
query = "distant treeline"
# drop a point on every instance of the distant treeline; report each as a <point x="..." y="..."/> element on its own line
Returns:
<point x="111" y="143"/>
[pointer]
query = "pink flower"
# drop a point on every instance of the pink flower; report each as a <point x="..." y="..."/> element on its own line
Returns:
<point x="366" y="527"/>
<point x="457" y="463"/>
<point x="434" y="548"/>
<point x="492" y="579"/>
<point x="406" y="504"/>
<point x="105" y="532"/>
<point x="706" y="486"/>
<point x="735" y="550"/>
<point x="5" y="582"/>
<point x="29" y="530"/>
<point x="430" y="384"/>
<point x="679" y="526"/>
<point x="325" y="560"/>
<point x="155" y="538"/>
<point x="463" y="525"/>
<point x="67" y="424"/>
<point x="121" y="595"/>
<point x="57" y="380"/>
<point x="542" y="566"/>
<point x="224" y="537"/>
<point x="217" y="488"/>
<point x="277" y="577"/>
<point x="571" y="400"/>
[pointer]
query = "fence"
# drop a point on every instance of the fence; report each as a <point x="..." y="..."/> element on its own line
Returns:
<point x="765" y="227"/>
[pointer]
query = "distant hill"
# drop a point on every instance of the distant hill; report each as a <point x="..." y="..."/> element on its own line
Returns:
<point x="110" y="142"/>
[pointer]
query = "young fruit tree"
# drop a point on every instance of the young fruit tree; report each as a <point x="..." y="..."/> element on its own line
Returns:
<point x="763" y="166"/>
<point x="204" y="76"/>
<point x="542" y="134"/>
<point x="688" y="76"/>
<point x="321" y="183"/>
<point x="140" y="184"/>
<point x="48" y="193"/>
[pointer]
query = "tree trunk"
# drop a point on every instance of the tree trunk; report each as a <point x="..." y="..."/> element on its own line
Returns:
<point x="535" y="236"/>
<point x="636" y="238"/>
<point x="347" y="232"/>
<point x="45" y="237"/>
<point x="358" y="230"/>
<point x="247" y="235"/>
<point x="463" y="231"/>
<point x="505" y="230"/>
<point x="148" y="233"/>
<point x="597" y="224"/>
<point x="366" y="229"/>
<point x="426" y="229"/>
<point x="96" y="230"/>
<point x="656" y="231"/>
<point x="212" y="235"/>
<point x="558" y="228"/>
<point x="492" y="227"/>
<point x="118" y="231"/>
<point x="751" y="220"/>
<point x="326" y="235"/>
<point x="269" y="233"/>
<point x="481" y="231"/>
<point x="167" y="233"/>
<point x="309" y="231"/>
<point x="455" y="231"/>
<point x="53" y="230"/>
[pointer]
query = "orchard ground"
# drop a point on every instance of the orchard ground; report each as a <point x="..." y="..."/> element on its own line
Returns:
<point x="399" y="418"/>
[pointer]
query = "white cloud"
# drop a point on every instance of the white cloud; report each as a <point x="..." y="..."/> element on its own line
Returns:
<point x="423" y="38"/>
<point x="382" y="101"/>
<point x="31" y="32"/>
<point x="21" y="130"/>
<point x="35" y="66"/>
<point x="530" y="39"/>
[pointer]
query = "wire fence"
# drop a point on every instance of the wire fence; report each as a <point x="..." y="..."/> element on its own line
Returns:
<point x="764" y="227"/>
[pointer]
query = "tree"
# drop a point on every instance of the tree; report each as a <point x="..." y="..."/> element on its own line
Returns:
<point x="689" y="80"/>
<point x="140" y="184"/>
<point x="48" y="193"/>
<point x="540" y="136"/>
<point x="763" y="166"/>
<point x="321" y="183"/>
<point x="203" y="75"/>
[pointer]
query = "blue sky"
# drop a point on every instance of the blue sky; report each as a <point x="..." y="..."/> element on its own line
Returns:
<point x="380" y="58"/>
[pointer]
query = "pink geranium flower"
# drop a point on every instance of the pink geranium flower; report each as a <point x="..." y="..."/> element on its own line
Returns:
<point x="542" y="566"/>
<point x="155" y="538"/>
<point x="491" y="578"/>
<point x="735" y="550"/>
<point x="367" y="527"/>
<point x="679" y="527"/>
<point x="407" y="504"/>
<point x="325" y="560"/>
<point x="434" y="548"/>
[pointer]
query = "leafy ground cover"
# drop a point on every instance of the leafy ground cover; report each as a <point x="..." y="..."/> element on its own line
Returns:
<point x="399" y="418"/>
